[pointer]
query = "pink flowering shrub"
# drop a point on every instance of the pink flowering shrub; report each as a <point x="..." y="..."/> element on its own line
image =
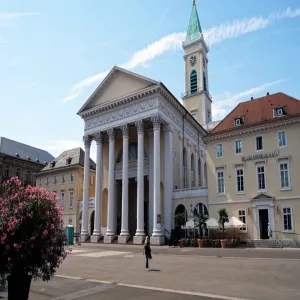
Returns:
<point x="32" y="239"/>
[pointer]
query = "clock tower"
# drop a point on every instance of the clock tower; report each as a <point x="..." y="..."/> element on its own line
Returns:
<point x="196" y="97"/>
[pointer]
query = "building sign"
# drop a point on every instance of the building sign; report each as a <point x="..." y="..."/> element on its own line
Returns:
<point x="91" y="202"/>
<point x="260" y="155"/>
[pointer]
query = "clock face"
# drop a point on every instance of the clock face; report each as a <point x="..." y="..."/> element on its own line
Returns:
<point x="193" y="60"/>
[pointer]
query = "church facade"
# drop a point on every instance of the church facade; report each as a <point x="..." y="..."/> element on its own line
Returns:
<point x="151" y="160"/>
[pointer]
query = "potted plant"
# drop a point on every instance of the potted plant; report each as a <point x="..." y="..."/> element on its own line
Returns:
<point x="32" y="239"/>
<point x="179" y="220"/>
<point x="223" y="218"/>
<point x="200" y="222"/>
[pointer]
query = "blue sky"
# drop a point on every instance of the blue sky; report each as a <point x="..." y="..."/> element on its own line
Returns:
<point x="54" y="53"/>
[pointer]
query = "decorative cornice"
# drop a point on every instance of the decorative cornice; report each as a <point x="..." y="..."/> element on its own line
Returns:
<point x="119" y="102"/>
<point x="87" y="140"/>
<point x="168" y="127"/>
<point x="250" y="130"/>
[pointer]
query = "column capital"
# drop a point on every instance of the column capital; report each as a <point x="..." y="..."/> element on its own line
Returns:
<point x="125" y="131"/>
<point x="180" y="135"/>
<point x="111" y="134"/>
<point x="189" y="143"/>
<point x="156" y="120"/>
<point x="87" y="140"/>
<point x="98" y="137"/>
<point x="168" y="127"/>
<point x="140" y="126"/>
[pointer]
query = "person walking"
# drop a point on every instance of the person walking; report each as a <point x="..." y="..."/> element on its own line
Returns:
<point x="147" y="252"/>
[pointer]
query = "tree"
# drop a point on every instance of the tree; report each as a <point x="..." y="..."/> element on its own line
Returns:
<point x="223" y="218"/>
<point x="179" y="220"/>
<point x="200" y="221"/>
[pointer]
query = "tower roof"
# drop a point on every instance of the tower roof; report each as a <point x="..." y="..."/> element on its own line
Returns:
<point x="194" y="30"/>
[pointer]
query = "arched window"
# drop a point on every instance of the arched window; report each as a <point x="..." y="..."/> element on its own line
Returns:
<point x="193" y="79"/>
<point x="132" y="153"/>
<point x="199" y="172"/>
<point x="193" y="169"/>
<point x="204" y="81"/>
<point x="184" y="167"/>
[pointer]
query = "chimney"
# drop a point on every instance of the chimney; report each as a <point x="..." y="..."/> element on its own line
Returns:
<point x="268" y="93"/>
<point x="251" y="98"/>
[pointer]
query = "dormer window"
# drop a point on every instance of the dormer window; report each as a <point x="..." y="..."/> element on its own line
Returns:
<point x="53" y="163"/>
<point x="68" y="160"/>
<point x="278" y="112"/>
<point x="238" y="121"/>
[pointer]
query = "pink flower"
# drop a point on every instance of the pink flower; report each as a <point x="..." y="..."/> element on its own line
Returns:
<point x="7" y="247"/>
<point x="17" y="246"/>
<point x="45" y="232"/>
<point x="52" y="226"/>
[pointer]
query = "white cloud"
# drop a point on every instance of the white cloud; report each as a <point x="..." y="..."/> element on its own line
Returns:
<point x="6" y="17"/>
<point x="225" y="102"/>
<point x="59" y="146"/>
<point x="173" y="42"/>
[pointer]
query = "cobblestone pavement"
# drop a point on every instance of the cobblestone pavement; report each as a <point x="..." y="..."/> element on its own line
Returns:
<point x="110" y="272"/>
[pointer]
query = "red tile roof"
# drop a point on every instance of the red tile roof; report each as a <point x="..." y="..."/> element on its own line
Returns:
<point x="259" y="111"/>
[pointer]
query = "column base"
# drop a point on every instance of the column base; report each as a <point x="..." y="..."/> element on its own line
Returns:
<point x="84" y="237"/>
<point x="138" y="239"/>
<point x="157" y="240"/>
<point x="95" y="238"/>
<point x="108" y="239"/>
<point x="123" y="239"/>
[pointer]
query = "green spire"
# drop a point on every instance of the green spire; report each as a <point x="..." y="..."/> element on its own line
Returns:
<point x="194" y="30"/>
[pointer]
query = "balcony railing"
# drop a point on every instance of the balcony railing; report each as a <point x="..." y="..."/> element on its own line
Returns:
<point x="190" y="193"/>
<point x="194" y="92"/>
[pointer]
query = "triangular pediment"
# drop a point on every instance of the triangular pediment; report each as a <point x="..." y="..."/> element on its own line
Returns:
<point x="117" y="84"/>
<point x="262" y="196"/>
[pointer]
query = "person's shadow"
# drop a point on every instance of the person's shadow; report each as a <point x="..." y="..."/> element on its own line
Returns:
<point x="154" y="270"/>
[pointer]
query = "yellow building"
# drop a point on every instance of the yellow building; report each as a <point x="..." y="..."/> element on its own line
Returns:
<point x="253" y="162"/>
<point x="64" y="175"/>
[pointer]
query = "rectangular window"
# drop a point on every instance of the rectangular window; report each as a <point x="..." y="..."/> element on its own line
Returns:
<point x="41" y="181"/>
<point x="71" y="198"/>
<point x="284" y="175"/>
<point x="259" y="143"/>
<point x="194" y="114"/>
<point x="72" y="177"/>
<point x="261" y="177"/>
<point x="6" y="171"/>
<point x="242" y="217"/>
<point x="287" y="219"/>
<point x="220" y="182"/>
<point x="63" y="179"/>
<point x="281" y="135"/>
<point x="238" y="147"/>
<point x="55" y="180"/>
<point x="219" y="150"/>
<point x="62" y="198"/>
<point x="240" y="180"/>
<point x="28" y="175"/>
<point x="18" y="172"/>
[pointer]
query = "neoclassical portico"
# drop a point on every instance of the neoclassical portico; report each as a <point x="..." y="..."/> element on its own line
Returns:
<point x="126" y="102"/>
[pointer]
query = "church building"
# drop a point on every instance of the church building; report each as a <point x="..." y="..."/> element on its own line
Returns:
<point x="151" y="160"/>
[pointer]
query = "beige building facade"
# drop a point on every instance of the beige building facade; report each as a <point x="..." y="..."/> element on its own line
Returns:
<point x="64" y="176"/>
<point x="253" y="161"/>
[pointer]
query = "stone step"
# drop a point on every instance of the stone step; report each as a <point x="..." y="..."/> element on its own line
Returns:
<point x="265" y="244"/>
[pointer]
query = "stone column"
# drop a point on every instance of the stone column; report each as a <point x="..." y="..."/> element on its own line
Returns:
<point x="196" y="168"/>
<point x="140" y="232"/>
<point x="189" y="173"/>
<point x="181" y="183"/>
<point x="168" y="154"/>
<point x="255" y="222"/>
<point x="85" y="213"/>
<point x="98" y="195"/>
<point x="203" y="161"/>
<point x="150" y="178"/>
<point x="111" y="209"/>
<point x="123" y="238"/>
<point x="157" y="236"/>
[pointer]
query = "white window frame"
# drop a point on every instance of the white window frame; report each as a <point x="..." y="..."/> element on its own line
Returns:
<point x="278" y="110"/>
<point x="55" y="179"/>
<point x="236" y="178"/>
<point x="265" y="177"/>
<point x="62" y="198"/>
<point x="72" y="177"/>
<point x="41" y="181"/>
<point x="278" y="140"/>
<point x="255" y="141"/>
<point x="243" y="229"/>
<point x="237" y="122"/>
<point x="288" y="173"/>
<point x="222" y="153"/>
<point x="47" y="181"/>
<point x="217" y="178"/>
<point x="235" y="148"/>
<point x="194" y="114"/>
<point x="71" y="202"/>
<point x="292" y="220"/>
